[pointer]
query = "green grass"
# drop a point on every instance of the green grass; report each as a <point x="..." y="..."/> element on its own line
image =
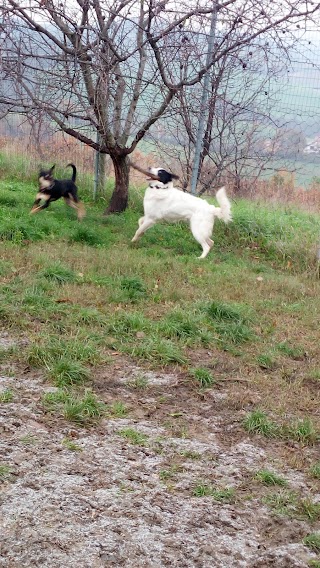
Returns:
<point x="226" y="494"/>
<point x="295" y="352"/>
<point x="29" y="440"/>
<point x="314" y="563"/>
<point x="139" y="382"/>
<point x="302" y="430"/>
<point x="283" y="502"/>
<point x="202" y="377"/>
<point x="54" y="350"/>
<point x="65" y="372"/>
<point x="291" y="504"/>
<point x="191" y="454"/>
<point x="266" y="361"/>
<point x="270" y="478"/>
<point x="6" y="395"/>
<point x="134" y="288"/>
<point x="83" y="410"/>
<point x="118" y="409"/>
<point x="171" y="472"/>
<point x="133" y="436"/>
<point x="315" y="470"/>
<point x="157" y="350"/>
<point x="5" y="472"/>
<point x="257" y="422"/>
<point x="71" y="445"/>
<point x="58" y="273"/>
<point x="312" y="541"/>
<point x="232" y="323"/>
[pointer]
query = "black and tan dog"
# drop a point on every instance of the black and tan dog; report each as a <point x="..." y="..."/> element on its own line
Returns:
<point x="51" y="189"/>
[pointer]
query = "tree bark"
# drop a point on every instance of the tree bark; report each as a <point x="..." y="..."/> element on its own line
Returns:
<point x="119" y="198"/>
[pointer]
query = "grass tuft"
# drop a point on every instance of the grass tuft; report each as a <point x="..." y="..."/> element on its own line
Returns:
<point x="315" y="470"/>
<point x="161" y="351"/>
<point x="220" y="311"/>
<point x="86" y="236"/>
<point x="202" y="377"/>
<point x="270" y="478"/>
<point x="312" y="541"/>
<point x="118" y="409"/>
<point x="65" y="372"/>
<point x="58" y="273"/>
<point x="133" y="436"/>
<point x="134" y="287"/>
<point x="5" y="472"/>
<point x="257" y="422"/>
<point x="6" y="396"/>
<point x="314" y="563"/>
<point x="225" y="494"/>
<point x="71" y="445"/>
<point x="55" y="348"/>
<point x="302" y="431"/>
<point x="83" y="410"/>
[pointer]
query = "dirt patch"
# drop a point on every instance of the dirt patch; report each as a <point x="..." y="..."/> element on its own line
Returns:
<point x="89" y="497"/>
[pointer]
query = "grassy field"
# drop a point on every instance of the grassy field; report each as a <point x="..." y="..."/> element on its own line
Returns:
<point x="78" y="299"/>
<point x="81" y="291"/>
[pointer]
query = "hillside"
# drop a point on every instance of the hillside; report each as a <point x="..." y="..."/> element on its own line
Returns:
<point x="157" y="410"/>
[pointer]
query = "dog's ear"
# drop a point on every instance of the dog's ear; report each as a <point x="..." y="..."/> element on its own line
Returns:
<point x="166" y="177"/>
<point x="51" y="169"/>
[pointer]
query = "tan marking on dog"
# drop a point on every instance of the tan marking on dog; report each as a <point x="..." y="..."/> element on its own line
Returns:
<point x="79" y="207"/>
<point x="81" y="211"/>
<point x="43" y="196"/>
<point x="35" y="209"/>
<point x="44" y="183"/>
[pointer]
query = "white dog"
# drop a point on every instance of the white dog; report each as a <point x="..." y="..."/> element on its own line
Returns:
<point x="164" y="202"/>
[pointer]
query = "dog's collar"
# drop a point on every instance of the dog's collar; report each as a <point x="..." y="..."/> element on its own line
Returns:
<point x="162" y="186"/>
<point x="43" y="189"/>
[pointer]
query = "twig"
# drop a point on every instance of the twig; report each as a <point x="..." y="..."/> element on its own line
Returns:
<point x="142" y="171"/>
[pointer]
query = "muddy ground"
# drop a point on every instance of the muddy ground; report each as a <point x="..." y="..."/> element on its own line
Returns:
<point x="88" y="497"/>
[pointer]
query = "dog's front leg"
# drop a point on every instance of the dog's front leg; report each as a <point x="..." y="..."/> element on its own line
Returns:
<point x="36" y="207"/>
<point x="144" y="224"/>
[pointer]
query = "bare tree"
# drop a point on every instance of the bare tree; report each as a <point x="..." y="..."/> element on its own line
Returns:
<point x="114" y="67"/>
<point x="243" y="128"/>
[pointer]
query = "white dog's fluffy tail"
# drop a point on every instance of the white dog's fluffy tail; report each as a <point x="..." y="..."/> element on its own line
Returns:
<point x="224" y="211"/>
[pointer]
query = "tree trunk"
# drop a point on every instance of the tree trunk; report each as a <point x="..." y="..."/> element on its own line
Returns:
<point x="119" y="198"/>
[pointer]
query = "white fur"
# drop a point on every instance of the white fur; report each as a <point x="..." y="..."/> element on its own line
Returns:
<point x="164" y="202"/>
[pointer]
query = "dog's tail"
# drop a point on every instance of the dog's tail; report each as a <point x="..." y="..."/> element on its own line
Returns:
<point x="74" y="172"/>
<point x="224" y="211"/>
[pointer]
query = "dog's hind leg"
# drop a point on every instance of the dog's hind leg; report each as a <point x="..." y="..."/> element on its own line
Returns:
<point x="201" y="235"/>
<point x="144" y="224"/>
<point x="77" y="205"/>
<point x="205" y="249"/>
<point x="81" y="211"/>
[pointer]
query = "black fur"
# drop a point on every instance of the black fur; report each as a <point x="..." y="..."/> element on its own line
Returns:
<point x="166" y="177"/>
